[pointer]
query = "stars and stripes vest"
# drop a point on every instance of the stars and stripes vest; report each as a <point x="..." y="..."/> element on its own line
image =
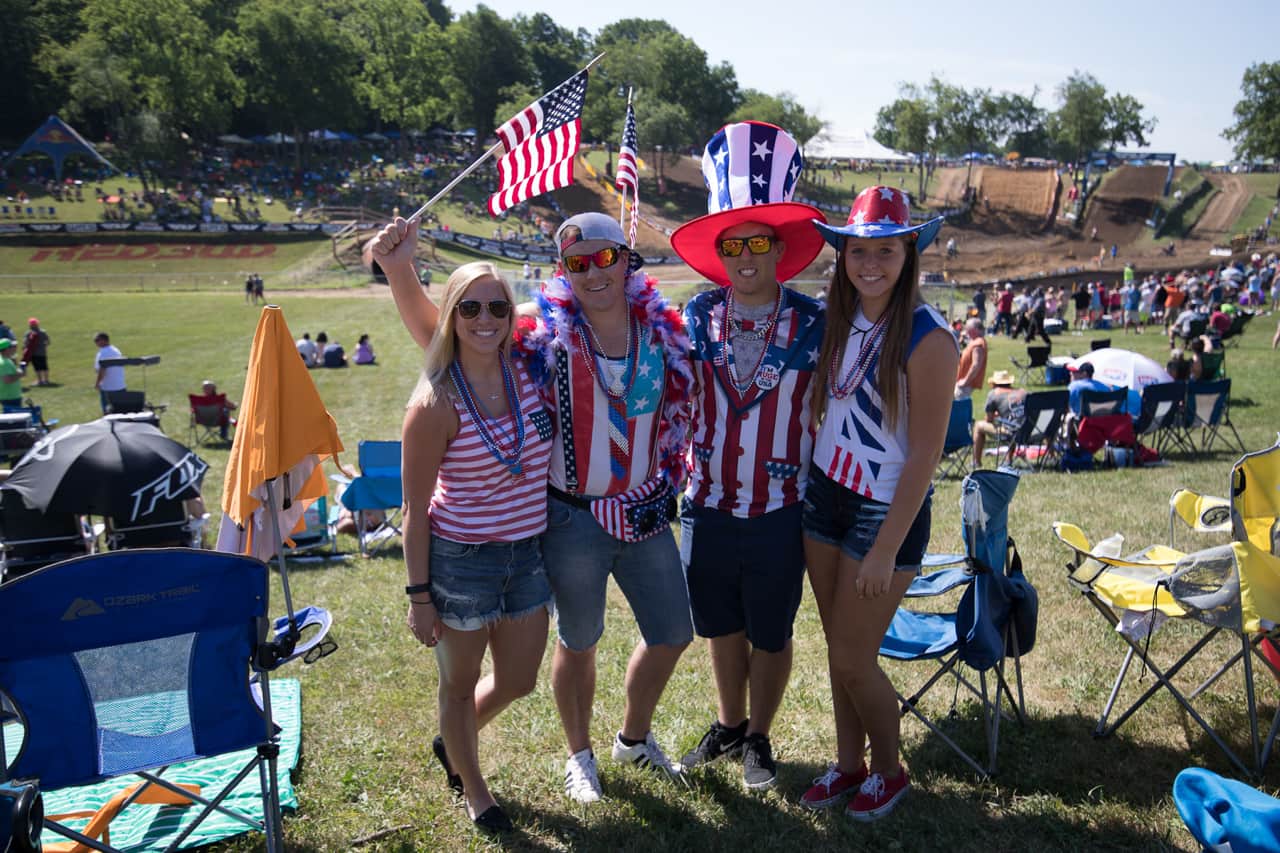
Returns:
<point x="751" y="449"/>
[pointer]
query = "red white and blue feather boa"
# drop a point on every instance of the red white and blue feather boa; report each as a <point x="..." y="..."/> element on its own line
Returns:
<point x="561" y="317"/>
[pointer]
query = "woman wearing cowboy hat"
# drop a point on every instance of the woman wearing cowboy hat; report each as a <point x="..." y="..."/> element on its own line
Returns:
<point x="883" y="388"/>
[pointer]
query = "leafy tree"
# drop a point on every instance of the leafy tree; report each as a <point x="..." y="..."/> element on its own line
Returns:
<point x="1256" y="131"/>
<point x="1080" y="124"/>
<point x="964" y="119"/>
<point x="404" y="57"/>
<point x="666" y="129"/>
<point x="555" y="52"/>
<point x="907" y="125"/>
<point x="782" y="110"/>
<point x="485" y="56"/>
<point x="1125" y="121"/>
<point x="439" y="12"/>
<point x="299" y="64"/>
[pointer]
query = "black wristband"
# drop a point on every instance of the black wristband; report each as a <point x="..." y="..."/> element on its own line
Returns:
<point x="414" y="589"/>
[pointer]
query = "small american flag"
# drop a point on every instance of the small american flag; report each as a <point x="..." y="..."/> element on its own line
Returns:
<point x="627" y="173"/>
<point x="627" y="176"/>
<point x="541" y="141"/>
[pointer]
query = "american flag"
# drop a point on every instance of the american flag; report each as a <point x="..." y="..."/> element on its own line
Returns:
<point x="627" y="174"/>
<point x="541" y="141"/>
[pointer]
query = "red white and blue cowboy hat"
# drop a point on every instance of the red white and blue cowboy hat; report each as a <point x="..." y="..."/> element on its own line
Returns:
<point x="880" y="212"/>
<point x="751" y="169"/>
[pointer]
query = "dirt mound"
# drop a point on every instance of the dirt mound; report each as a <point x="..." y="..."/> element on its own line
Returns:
<point x="1223" y="209"/>
<point x="948" y="185"/>
<point x="1120" y="207"/>
<point x="1014" y="201"/>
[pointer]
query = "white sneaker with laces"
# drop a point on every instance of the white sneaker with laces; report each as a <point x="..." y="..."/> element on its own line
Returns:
<point x="581" y="781"/>
<point x="646" y="754"/>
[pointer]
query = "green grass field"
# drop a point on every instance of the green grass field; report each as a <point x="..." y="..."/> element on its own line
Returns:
<point x="369" y="709"/>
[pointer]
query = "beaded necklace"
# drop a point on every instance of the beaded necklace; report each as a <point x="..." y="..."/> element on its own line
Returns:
<point x="590" y="347"/>
<point x="842" y="389"/>
<point x="732" y="325"/>
<point x="508" y="458"/>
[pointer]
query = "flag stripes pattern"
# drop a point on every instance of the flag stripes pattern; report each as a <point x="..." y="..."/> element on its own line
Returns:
<point x="541" y="141"/>
<point x="627" y="174"/>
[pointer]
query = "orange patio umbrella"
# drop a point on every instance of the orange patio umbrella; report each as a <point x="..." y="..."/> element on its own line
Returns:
<point x="283" y="434"/>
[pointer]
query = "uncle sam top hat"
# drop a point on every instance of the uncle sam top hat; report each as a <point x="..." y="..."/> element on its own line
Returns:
<point x="880" y="212"/>
<point x="751" y="169"/>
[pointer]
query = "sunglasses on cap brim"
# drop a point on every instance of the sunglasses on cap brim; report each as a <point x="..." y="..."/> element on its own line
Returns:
<point x="603" y="259"/>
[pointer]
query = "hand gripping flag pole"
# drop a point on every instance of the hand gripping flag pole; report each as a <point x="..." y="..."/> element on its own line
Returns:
<point x="540" y="142"/>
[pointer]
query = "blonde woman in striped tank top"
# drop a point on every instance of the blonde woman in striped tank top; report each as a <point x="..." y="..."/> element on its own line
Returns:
<point x="477" y="442"/>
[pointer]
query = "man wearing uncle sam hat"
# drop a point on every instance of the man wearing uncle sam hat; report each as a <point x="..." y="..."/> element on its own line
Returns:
<point x="755" y="345"/>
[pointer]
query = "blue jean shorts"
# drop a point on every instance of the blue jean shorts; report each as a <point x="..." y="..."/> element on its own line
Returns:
<point x="841" y="517"/>
<point x="745" y="574"/>
<point x="475" y="585"/>
<point x="580" y="557"/>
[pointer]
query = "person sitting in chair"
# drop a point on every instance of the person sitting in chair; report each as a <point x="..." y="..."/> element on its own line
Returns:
<point x="1083" y="381"/>
<point x="1005" y="405"/>
<point x="209" y="396"/>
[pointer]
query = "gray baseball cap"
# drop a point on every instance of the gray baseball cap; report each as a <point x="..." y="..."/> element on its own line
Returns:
<point x="595" y="226"/>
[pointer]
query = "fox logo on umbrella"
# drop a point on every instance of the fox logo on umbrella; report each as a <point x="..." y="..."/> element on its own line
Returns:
<point x="186" y="473"/>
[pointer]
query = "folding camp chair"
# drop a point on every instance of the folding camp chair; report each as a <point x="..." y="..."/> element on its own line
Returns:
<point x="129" y="662"/>
<point x="1195" y="328"/>
<point x="1036" y="439"/>
<point x="1037" y="359"/>
<point x="30" y="539"/>
<point x="1213" y="365"/>
<point x="167" y="526"/>
<point x="1094" y="403"/>
<point x="1239" y="320"/>
<point x="318" y="535"/>
<point x="378" y="488"/>
<point x="958" y="445"/>
<point x="1208" y="409"/>
<point x="208" y="414"/>
<point x="994" y="619"/>
<point x="1232" y="589"/>
<point x="1161" y="418"/>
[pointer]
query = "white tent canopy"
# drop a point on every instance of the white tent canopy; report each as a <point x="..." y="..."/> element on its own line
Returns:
<point x="851" y="146"/>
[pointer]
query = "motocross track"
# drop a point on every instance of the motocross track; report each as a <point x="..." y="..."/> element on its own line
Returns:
<point x="1121" y="206"/>
<point x="1223" y="209"/>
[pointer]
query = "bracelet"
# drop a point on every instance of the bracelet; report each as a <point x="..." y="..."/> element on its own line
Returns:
<point x="414" y="589"/>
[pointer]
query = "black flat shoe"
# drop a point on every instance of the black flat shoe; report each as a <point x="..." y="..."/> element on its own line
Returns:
<point x="454" y="780"/>
<point x="494" y="819"/>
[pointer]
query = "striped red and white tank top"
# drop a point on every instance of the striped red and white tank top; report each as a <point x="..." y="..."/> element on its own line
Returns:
<point x="477" y="499"/>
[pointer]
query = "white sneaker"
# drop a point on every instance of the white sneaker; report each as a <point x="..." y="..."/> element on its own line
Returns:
<point x="581" y="781"/>
<point x="646" y="754"/>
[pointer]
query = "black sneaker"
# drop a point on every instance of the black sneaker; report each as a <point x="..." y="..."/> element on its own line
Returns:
<point x="720" y="740"/>
<point x="758" y="768"/>
<point x="454" y="780"/>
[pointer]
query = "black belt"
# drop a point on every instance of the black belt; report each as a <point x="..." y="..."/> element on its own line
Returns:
<point x="572" y="500"/>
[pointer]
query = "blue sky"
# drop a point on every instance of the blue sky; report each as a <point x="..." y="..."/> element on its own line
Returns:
<point x="844" y="60"/>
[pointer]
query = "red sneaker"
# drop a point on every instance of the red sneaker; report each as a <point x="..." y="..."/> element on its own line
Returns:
<point x="831" y="786"/>
<point x="878" y="796"/>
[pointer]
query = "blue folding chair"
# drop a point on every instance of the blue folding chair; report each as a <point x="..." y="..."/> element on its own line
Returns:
<point x="958" y="445"/>
<point x="127" y="662"/>
<point x="378" y="488"/>
<point x="994" y="619"/>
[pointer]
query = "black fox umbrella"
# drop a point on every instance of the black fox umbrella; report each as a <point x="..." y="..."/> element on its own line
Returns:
<point x="119" y="468"/>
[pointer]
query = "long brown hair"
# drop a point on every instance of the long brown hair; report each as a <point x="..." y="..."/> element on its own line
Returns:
<point x="842" y="305"/>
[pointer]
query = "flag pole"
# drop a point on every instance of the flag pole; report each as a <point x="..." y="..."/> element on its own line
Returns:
<point x="417" y="215"/>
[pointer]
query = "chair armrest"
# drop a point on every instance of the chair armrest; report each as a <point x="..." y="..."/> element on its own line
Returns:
<point x="1202" y="513"/>
<point x="305" y="618"/>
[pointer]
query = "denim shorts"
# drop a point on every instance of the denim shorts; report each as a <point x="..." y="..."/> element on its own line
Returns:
<point x="475" y="585"/>
<point x="841" y="517"/>
<point x="745" y="574"/>
<point x="580" y="556"/>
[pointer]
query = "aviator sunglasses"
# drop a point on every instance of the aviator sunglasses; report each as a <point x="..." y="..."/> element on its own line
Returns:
<point x="731" y="247"/>
<point x="469" y="309"/>
<point x="603" y="259"/>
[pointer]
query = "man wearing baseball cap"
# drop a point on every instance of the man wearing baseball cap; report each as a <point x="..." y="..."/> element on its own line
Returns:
<point x="1004" y="408"/>
<point x="755" y="344"/>
<point x="613" y="358"/>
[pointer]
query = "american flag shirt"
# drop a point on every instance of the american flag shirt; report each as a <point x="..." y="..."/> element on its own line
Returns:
<point x="855" y="445"/>
<point x="586" y="444"/>
<point x="751" y="449"/>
